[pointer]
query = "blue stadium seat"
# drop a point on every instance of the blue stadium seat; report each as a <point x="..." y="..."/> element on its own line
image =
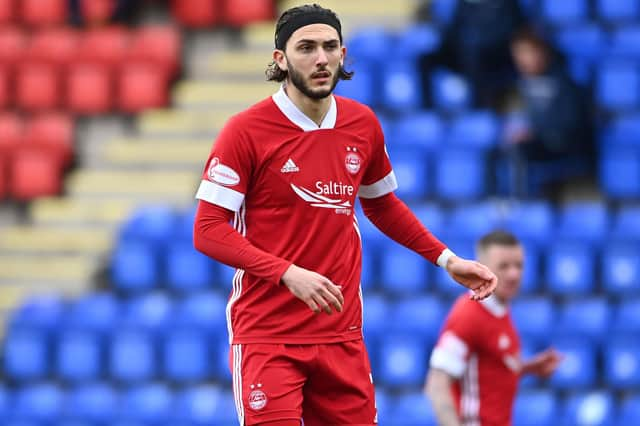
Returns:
<point x="421" y="131"/>
<point x="149" y="311"/>
<point x="534" y="317"/>
<point x="622" y="131"/>
<point x="188" y="269"/>
<point x="622" y="364"/>
<point x="629" y="411"/>
<point x="564" y="12"/>
<point x="412" y="172"/>
<point x="412" y="409"/>
<point x="625" y="42"/>
<point x="472" y="221"/>
<point x="360" y="88"/>
<point x="376" y="313"/>
<point x="450" y="91"/>
<point x="420" y="315"/>
<point x="369" y="274"/>
<point x="203" y="311"/>
<point x="371" y="236"/>
<point x="570" y="268"/>
<point x="477" y="129"/>
<point x="443" y="10"/>
<point x="589" y="408"/>
<point x="42" y="402"/>
<point x="531" y="276"/>
<point x="621" y="268"/>
<point x="618" y="10"/>
<point x="42" y="312"/>
<point x="585" y="41"/>
<point x="155" y="225"/>
<point x="403" y="271"/>
<point x="626" y="223"/>
<point x="205" y="405"/>
<point x="184" y="224"/>
<point x="26" y="354"/>
<point x="620" y="173"/>
<point x="6" y="402"/>
<point x="535" y="408"/>
<point x="529" y="348"/>
<point x="431" y="215"/>
<point x="221" y="371"/>
<point x="627" y="317"/>
<point x="369" y="44"/>
<point x="185" y="356"/>
<point x="148" y="403"/>
<point x="131" y="356"/>
<point x="578" y="367"/>
<point x="589" y="319"/>
<point x="384" y="404"/>
<point x="415" y="40"/>
<point x="460" y="175"/>
<point x="403" y="361"/>
<point x="618" y="86"/>
<point x="134" y="267"/>
<point x="79" y="356"/>
<point x="94" y="311"/>
<point x="531" y="221"/>
<point x="95" y="403"/>
<point x="399" y="86"/>
<point x="584" y="221"/>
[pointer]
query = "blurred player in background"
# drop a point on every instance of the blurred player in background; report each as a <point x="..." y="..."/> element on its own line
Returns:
<point x="476" y="363"/>
<point x="287" y="171"/>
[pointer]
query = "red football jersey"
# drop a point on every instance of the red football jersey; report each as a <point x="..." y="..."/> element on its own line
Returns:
<point x="480" y="346"/>
<point x="293" y="186"/>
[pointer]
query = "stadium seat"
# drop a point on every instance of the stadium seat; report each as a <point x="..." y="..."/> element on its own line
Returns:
<point x="187" y="269"/>
<point x="97" y="12"/>
<point x="478" y="129"/>
<point x="95" y="403"/>
<point x="203" y="311"/>
<point x="472" y="221"/>
<point x="403" y="361"/>
<point x="52" y="133"/>
<point x="185" y="356"/>
<point x="531" y="276"/>
<point x="421" y="131"/>
<point x="622" y="364"/>
<point x="78" y="356"/>
<point x="622" y="131"/>
<point x="626" y="223"/>
<point x="618" y="86"/>
<point x="239" y="13"/>
<point x="6" y="87"/>
<point x="629" y="411"/>
<point x="415" y="40"/>
<point x="44" y="312"/>
<point x="96" y="312"/>
<point x="37" y="87"/>
<point x="616" y="11"/>
<point x="431" y="215"/>
<point x="368" y="45"/>
<point x="412" y="409"/>
<point x="578" y="367"/>
<point x="535" y="408"/>
<point x="134" y="267"/>
<point x="89" y="89"/>
<point x="450" y="91"/>
<point x="159" y="46"/>
<point x="531" y="221"/>
<point x="403" y="271"/>
<point x="570" y="268"/>
<point x="131" y="356"/>
<point x="26" y="354"/>
<point x="621" y="268"/>
<point x="586" y="222"/>
<point x="152" y="223"/>
<point x="362" y="88"/>
<point x="399" y="84"/>
<point x="34" y="174"/>
<point x="584" y="41"/>
<point x="564" y="12"/>
<point x="624" y="42"/>
<point x="141" y="86"/>
<point x="42" y="13"/>
<point x="13" y="45"/>
<point x="595" y="408"/>
<point x="55" y="45"/>
<point x="205" y="405"/>
<point x="534" y="317"/>
<point x="627" y="317"/>
<point x="196" y="13"/>
<point x="151" y="311"/>
<point x="11" y="133"/>
<point x="384" y="404"/>
<point x="588" y="319"/>
<point x="369" y="274"/>
<point x="421" y="315"/>
<point x="375" y="318"/>
<point x="147" y="403"/>
<point x="412" y="173"/>
<point x="620" y="173"/>
<point x="41" y="402"/>
<point x="451" y="165"/>
<point x="8" y="11"/>
<point x="105" y="46"/>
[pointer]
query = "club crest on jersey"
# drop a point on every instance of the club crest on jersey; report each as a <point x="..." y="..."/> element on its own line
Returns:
<point x="257" y="399"/>
<point x="224" y="175"/>
<point x="352" y="161"/>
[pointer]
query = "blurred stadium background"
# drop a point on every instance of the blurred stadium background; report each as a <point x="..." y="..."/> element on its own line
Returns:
<point x="109" y="317"/>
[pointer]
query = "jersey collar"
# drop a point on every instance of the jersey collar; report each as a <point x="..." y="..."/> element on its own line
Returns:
<point x="297" y="117"/>
<point x="494" y="306"/>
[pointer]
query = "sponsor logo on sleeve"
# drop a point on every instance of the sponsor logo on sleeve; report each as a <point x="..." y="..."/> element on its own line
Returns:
<point x="224" y="175"/>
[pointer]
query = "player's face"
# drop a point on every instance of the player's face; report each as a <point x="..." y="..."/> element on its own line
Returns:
<point x="313" y="58"/>
<point x="507" y="263"/>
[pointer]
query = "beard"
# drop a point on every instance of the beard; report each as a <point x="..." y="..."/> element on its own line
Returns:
<point x="297" y="79"/>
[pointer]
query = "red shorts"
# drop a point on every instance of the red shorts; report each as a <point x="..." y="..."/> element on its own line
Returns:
<point x="323" y="384"/>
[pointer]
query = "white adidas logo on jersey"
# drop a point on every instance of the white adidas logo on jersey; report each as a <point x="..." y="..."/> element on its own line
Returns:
<point x="289" y="167"/>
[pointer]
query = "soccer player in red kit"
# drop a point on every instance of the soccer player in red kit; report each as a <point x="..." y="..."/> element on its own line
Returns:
<point x="287" y="171"/>
<point x="474" y="371"/>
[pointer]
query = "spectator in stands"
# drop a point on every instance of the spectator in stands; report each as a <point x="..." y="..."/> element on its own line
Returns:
<point x="478" y="353"/>
<point x="92" y="13"/>
<point x="475" y="43"/>
<point x="548" y="135"/>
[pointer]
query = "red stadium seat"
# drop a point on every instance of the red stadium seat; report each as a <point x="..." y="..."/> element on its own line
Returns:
<point x="89" y="89"/>
<point x="59" y="45"/>
<point x="141" y="86"/>
<point x="37" y="86"/>
<point x="239" y="13"/>
<point x="11" y="133"/>
<point x="51" y="133"/>
<point x="97" y="11"/>
<point x="40" y="13"/>
<point x="159" y="45"/>
<point x="4" y="177"/>
<point x="34" y="174"/>
<point x="106" y="45"/>
<point x="8" y="12"/>
<point x="13" y="43"/>
<point x="6" y="88"/>
<point x="196" y="13"/>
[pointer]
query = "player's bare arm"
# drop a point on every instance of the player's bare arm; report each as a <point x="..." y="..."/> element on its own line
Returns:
<point x="542" y="364"/>
<point x="317" y="291"/>
<point x="438" y="390"/>
<point x="473" y="275"/>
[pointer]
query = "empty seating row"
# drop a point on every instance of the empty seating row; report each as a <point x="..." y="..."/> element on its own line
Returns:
<point x="235" y="13"/>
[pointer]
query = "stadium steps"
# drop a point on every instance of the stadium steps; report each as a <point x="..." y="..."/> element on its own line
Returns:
<point x="179" y="122"/>
<point x="172" y="153"/>
<point x="70" y="211"/>
<point x="43" y="240"/>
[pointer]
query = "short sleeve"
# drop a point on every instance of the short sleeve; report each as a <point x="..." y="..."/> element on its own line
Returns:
<point x="228" y="169"/>
<point x="379" y="178"/>
<point x="456" y="343"/>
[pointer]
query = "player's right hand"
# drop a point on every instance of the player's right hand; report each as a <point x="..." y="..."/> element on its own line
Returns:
<point x="317" y="291"/>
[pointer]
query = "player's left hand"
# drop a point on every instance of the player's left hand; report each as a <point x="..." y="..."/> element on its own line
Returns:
<point x="544" y="363"/>
<point x="473" y="275"/>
